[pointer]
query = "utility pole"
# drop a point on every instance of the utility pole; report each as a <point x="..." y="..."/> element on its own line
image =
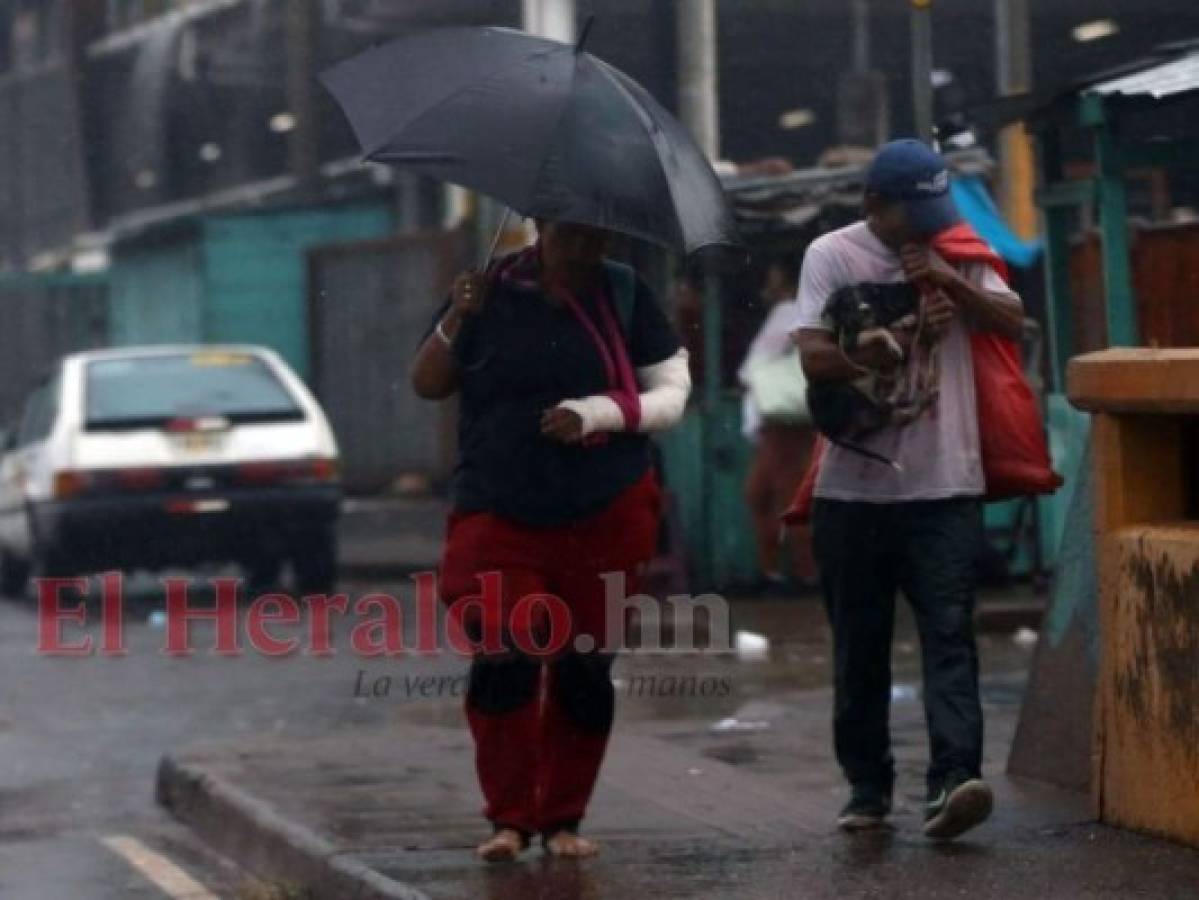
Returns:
<point x="699" y="109"/>
<point x="863" y="112"/>
<point x="922" y="68"/>
<point x="303" y="25"/>
<point x="1013" y="69"/>
<point x="550" y="18"/>
<point x="861" y="35"/>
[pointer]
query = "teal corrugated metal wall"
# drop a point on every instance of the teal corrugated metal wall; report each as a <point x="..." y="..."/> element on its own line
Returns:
<point x="255" y="272"/>
<point x="718" y="534"/>
<point x="231" y="278"/>
<point x="156" y="291"/>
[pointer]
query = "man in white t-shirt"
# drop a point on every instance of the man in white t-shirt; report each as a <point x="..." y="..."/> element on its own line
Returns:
<point x="916" y="526"/>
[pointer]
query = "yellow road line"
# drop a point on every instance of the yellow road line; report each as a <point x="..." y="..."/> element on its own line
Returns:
<point x="163" y="873"/>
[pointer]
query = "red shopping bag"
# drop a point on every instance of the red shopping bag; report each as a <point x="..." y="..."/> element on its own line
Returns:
<point x="1011" y="437"/>
<point x="800" y="509"/>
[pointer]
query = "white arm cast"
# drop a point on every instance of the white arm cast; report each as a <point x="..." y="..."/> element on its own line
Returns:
<point x="666" y="387"/>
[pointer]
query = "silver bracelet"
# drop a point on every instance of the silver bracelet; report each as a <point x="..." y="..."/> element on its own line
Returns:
<point x="441" y="335"/>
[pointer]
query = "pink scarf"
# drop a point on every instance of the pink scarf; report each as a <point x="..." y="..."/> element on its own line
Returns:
<point x="523" y="270"/>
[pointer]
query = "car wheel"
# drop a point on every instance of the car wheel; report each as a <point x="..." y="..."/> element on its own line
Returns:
<point x="14" y="574"/>
<point x="314" y="561"/>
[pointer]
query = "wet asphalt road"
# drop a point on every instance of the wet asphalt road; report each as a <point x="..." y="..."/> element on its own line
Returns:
<point x="80" y="738"/>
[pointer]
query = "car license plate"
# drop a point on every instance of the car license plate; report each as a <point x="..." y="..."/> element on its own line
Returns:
<point x="198" y="442"/>
<point x="197" y="507"/>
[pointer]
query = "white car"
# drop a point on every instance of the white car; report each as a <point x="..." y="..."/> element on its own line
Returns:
<point x="171" y="456"/>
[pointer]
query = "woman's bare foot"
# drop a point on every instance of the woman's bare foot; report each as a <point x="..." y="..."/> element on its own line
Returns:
<point x="503" y="846"/>
<point x="569" y="844"/>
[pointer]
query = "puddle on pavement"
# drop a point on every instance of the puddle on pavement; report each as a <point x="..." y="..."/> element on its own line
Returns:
<point x="721" y="689"/>
<point x="717" y="686"/>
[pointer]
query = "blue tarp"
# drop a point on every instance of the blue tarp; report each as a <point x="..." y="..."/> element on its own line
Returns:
<point x="977" y="208"/>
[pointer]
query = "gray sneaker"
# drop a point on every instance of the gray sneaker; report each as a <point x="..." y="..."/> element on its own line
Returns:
<point x="960" y="804"/>
<point x="867" y="809"/>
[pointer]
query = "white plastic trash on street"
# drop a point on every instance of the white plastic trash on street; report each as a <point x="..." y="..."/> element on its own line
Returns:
<point x="1025" y="637"/>
<point x="733" y="725"/>
<point x="751" y="647"/>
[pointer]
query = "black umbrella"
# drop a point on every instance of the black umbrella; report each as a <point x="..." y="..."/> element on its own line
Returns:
<point x="542" y="126"/>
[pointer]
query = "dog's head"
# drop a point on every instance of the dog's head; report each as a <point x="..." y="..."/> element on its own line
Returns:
<point x="856" y="308"/>
<point x="849" y="312"/>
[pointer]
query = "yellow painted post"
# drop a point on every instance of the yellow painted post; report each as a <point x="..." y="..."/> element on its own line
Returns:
<point x="1013" y="70"/>
<point x="1146" y="731"/>
<point x="1019" y="180"/>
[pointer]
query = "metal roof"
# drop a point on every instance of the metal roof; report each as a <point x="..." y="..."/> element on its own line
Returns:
<point x="1162" y="80"/>
<point x="797" y="198"/>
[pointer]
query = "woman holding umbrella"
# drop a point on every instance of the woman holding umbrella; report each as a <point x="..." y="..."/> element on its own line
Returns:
<point x="563" y="363"/>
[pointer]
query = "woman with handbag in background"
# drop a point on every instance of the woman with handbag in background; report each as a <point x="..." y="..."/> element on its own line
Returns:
<point x="775" y="419"/>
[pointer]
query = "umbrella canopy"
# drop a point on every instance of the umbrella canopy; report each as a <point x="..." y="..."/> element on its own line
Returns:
<point x="544" y="127"/>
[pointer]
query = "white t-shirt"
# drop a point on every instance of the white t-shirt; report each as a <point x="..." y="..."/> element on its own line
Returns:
<point x="938" y="453"/>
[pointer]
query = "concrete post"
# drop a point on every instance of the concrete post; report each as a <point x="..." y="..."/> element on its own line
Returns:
<point x="863" y="110"/>
<point x="699" y="109"/>
<point x="861" y="35"/>
<point x="922" y="69"/>
<point x="550" y="18"/>
<point x="303" y="24"/>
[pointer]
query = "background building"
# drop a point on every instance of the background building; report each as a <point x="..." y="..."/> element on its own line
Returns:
<point x="171" y="170"/>
<point x="116" y="108"/>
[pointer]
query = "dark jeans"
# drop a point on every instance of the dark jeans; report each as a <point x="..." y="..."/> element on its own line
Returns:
<point x="928" y="550"/>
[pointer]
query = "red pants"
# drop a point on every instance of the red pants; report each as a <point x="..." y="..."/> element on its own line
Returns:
<point x="541" y="725"/>
<point x="781" y="458"/>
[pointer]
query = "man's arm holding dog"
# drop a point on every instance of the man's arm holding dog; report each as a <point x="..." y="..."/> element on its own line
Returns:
<point x="821" y="356"/>
<point x="986" y="310"/>
<point x="824" y="360"/>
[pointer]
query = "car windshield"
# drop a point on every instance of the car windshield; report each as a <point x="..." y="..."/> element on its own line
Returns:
<point x="150" y="391"/>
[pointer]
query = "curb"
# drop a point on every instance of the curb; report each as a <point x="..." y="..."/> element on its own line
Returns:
<point x="266" y="843"/>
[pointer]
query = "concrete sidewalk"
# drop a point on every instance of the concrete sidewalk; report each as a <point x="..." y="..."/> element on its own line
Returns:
<point x="742" y="807"/>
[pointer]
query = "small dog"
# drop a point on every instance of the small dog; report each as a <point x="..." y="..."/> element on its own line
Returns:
<point x="888" y="315"/>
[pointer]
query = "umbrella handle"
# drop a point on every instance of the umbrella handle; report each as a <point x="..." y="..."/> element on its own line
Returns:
<point x="495" y="241"/>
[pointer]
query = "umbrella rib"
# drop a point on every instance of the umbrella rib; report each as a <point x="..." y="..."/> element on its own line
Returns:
<point x="648" y="122"/>
<point x="454" y="95"/>
<point x="568" y="99"/>
<point x="614" y="76"/>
